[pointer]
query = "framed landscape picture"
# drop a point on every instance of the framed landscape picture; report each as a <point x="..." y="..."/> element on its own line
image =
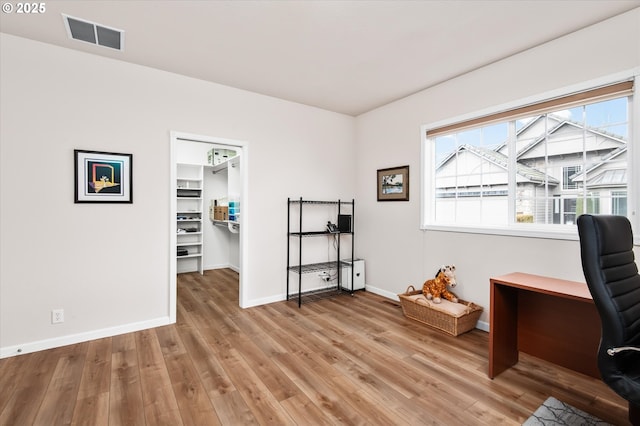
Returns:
<point x="102" y="177"/>
<point x="393" y="184"/>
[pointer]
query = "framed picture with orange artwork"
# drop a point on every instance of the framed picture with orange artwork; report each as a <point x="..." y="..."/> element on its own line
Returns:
<point x="103" y="177"/>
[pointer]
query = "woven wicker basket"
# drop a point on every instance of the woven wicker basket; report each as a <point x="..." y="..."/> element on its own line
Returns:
<point x="438" y="319"/>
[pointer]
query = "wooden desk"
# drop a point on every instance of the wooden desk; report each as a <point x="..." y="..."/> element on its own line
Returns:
<point x="552" y="319"/>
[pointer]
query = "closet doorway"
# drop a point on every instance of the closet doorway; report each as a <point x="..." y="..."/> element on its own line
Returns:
<point x="208" y="178"/>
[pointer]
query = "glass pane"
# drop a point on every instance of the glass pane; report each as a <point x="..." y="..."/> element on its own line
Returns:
<point x="468" y="211"/>
<point x="568" y="162"/>
<point x="444" y="147"/>
<point x="533" y="182"/>
<point x="609" y="117"/>
<point x="569" y="209"/>
<point x="468" y="168"/>
<point x="606" y="174"/>
<point x="445" y="210"/>
<point x="495" y="210"/>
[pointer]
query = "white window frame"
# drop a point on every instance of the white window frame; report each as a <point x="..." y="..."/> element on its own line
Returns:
<point x="565" y="177"/>
<point x="560" y="232"/>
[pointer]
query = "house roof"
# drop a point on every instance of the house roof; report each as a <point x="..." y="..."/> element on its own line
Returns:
<point x="604" y="160"/>
<point x="502" y="161"/>
<point x="561" y="122"/>
<point x="609" y="178"/>
<point x="536" y="176"/>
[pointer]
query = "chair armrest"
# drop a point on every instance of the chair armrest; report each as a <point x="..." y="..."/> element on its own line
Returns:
<point x="613" y="351"/>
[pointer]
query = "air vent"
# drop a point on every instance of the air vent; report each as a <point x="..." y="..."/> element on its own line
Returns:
<point x="91" y="32"/>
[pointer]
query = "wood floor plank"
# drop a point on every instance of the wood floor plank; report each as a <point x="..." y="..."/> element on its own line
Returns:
<point x="213" y="377"/>
<point x="125" y="394"/>
<point x="93" y="394"/>
<point x="184" y="351"/>
<point x="352" y="360"/>
<point x="93" y="410"/>
<point x="232" y="409"/>
<point x="363" y="404"/>
<point x="261" y="364"/>
<point x="96" y="374"/>
<point x="170" y="341"/>
<point x="263" y="404"/>
<point x="194" y="404"/>
<point x="303" y="370"/>
<point x="13" y="368"/>
<point x="31" y="386"/>
<point x="484" y="415"/>
<point x="160" y="405"/>
<point x="60" y="400"/>
<point x="384" y="394"/>
<point x="302" y="410"/>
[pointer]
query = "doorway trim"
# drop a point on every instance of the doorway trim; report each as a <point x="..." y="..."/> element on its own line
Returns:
<point x="176" y="137"/>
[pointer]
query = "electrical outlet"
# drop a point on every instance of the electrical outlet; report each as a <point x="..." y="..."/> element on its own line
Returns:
<point x="57" y="316"/>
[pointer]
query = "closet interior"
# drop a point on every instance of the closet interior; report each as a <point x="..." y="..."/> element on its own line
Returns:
<point x="208" y="209"/>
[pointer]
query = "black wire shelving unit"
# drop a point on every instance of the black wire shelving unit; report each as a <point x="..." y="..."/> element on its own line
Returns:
<point x="300" y="269"/>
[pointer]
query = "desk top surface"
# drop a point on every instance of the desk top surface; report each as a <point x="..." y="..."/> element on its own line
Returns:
<point x="548" y="285"/>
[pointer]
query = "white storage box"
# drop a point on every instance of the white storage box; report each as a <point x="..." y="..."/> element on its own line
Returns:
<point x="358" y="275"/>
<point x="218" y="156"/>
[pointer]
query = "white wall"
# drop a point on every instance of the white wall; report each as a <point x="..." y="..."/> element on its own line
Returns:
<point x="54" y="100"/>
<point x="107" y="265"/>
<point x="396" y="252"/>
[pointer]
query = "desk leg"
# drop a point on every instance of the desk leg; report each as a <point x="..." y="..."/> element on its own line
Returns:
<point x="503" y="333"/>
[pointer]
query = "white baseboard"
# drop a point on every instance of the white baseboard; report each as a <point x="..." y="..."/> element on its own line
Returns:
<point x="483" y="325"/>
<point x="265" y="301"/>
<point x="71" y="339"/>
<point x="381" y="292"/>
<point x="226" y="266"/>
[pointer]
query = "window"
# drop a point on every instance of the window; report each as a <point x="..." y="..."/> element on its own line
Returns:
<point x="568" y="174"/>
<point x="619" y="203"/>
<point x="543" y="164"/>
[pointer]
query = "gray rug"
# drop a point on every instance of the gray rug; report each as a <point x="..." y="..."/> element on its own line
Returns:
<point x="555" y="412"/>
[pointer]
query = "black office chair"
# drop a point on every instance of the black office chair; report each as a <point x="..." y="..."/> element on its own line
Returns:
<point x="606" y="245"/>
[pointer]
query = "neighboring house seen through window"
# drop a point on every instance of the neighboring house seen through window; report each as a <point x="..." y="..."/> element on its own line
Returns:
<point x="546" y="168"/>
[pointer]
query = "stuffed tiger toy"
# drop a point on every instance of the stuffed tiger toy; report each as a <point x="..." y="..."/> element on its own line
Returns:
<point x="436" y="288"/>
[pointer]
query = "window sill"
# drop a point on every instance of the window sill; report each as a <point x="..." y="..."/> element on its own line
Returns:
<point x="556" y="234"/>
<point x="569" y="233"/>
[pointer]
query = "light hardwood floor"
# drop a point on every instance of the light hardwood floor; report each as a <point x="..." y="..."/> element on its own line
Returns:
<point x="346" y="360"/>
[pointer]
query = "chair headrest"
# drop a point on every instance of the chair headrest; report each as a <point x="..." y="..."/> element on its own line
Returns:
<point x="613" y="232"/>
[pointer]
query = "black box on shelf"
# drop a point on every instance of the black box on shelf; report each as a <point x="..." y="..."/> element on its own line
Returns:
<point x="344" y="222"/>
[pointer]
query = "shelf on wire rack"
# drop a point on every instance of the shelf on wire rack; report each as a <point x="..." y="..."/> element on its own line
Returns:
<point x="317" y="267"/>
<point x="323" y="293"/>
<point x="334" y="202"/>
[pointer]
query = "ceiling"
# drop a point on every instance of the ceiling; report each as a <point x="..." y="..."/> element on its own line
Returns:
<point x="343" y="56"/>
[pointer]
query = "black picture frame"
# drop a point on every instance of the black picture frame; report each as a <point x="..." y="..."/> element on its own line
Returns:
<point x="393" y="184"/>
<point x="102" y="177"/>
